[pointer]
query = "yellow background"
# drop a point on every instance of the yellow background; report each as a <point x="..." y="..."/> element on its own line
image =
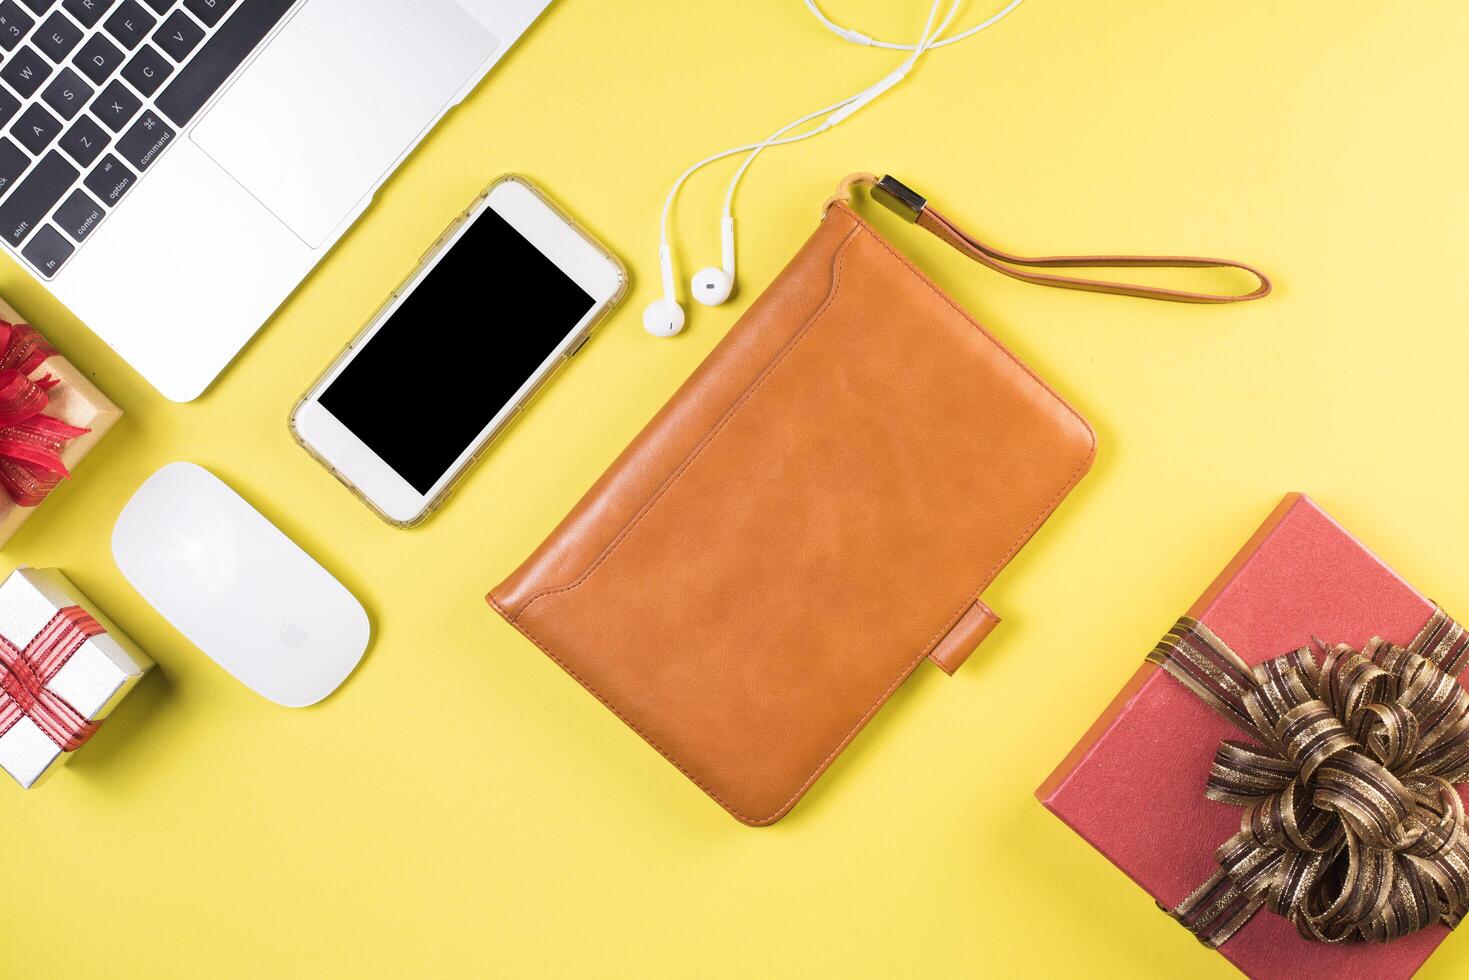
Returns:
<point x="462" y="808"/>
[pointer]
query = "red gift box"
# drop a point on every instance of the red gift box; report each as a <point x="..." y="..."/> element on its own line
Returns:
<point x="1134" y="786"/>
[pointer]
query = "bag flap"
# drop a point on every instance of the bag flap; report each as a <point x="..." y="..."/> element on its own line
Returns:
<point x="814" y="512"/>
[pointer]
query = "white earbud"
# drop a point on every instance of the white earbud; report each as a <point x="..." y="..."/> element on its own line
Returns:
<point x="664" y="316"/>
<point x="712" y="285"/>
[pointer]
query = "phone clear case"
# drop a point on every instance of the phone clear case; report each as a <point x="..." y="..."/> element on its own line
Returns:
<point x="489" y="439"/>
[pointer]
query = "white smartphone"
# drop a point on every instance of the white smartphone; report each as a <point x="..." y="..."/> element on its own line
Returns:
<point x="508" y="293"/>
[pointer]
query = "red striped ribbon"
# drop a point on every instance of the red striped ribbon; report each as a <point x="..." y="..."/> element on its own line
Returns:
<point x="24" y="675"/>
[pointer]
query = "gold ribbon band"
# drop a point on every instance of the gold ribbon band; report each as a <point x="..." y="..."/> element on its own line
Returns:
<point x="1351" y="826"/>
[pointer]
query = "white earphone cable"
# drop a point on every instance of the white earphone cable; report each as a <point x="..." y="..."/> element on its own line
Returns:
<point x="835" y="113"/>
<point x="857" y="37"/>
<point x="778" y="138"/>
<point x="926" y="43"/>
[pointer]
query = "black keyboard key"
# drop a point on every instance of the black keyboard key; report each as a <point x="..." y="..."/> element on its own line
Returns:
<point x="9" y="106"/>
<point x="148" y="138"/>
<point x="179" y="35"/>
<point x="85" y="140"/>
<point x="110" y="181"/>
<point x="209" y="11"/>
<point x="88" y="12"/>
<point x="47" y="251"/>
<point x="219" y="57"/>
<point x="98" y="59"/>
<point x="39" y="6"/>
<point x="25" y="71"/>
<point x="147" y="70"/>
<point x="161" y="6"/>
<point x="13" y="161"/>
<point x="14" y="23"/>
<point x="130" y="23"/>
<point x="67" y="93"/>
<point x="79" y="215"/>
<point x="58" y="37"/>
<point x="36" y="128"/>
<point x="34" y="197"/>
<point x="116" y="106"/>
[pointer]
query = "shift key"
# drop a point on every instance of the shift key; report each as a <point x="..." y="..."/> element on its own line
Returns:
<point x="34" y="197"/>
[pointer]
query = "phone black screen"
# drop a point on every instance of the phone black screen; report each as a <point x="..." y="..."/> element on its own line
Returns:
<point x="455" y="350"/>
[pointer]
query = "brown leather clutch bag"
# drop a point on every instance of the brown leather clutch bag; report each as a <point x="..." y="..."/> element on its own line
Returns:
<point x="816" y="511"/>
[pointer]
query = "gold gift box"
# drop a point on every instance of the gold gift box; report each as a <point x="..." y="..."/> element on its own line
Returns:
<point x="75" y="401"/>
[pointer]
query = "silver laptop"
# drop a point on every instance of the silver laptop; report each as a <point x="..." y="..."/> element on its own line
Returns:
<point x="172" y="169"/>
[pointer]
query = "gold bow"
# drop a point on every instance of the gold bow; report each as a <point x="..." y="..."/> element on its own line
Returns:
<point x="1352" y="828"/>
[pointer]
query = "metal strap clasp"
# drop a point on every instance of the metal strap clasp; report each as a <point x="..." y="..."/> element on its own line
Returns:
<point x="899" y="198"/>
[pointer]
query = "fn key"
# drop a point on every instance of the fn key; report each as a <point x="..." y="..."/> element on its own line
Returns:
<point x="47" y="251"/>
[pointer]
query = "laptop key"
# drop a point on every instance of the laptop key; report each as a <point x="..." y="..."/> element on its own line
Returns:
<point x="148" y="138"/>
<point x="209" y="11"/>
<point x="179" y="35"/>
<point x="182" y="99"/>
<point x="148" y="70"/>
<point x="25" y="71"/>
<point x="130" y="23"/>
<point x="87" y="12"/>
<point x="161" y="6"/>
<point x="109" y="181"/>
<point x="36" y="128"/>
<point x="67" y="93"/>
<point x="9" y="106"/>
<point x="98" y="59"/>
<point x="14" y="23"/>
<point x="39" y="6"/>
<point x="47" y="251"/>
<point x="79" y="215"/>
<point x="115" y="106"/>
<point x="35" y="196"/>
<point x="57" y="37"/>
<point x="13" y="161"/>
<point x="85" y="140"/>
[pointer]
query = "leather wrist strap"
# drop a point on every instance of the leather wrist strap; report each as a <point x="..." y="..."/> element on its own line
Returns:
<point x="913" y="208"/>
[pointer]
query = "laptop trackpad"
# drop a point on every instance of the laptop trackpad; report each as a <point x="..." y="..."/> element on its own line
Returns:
<point x="314" y="123"/>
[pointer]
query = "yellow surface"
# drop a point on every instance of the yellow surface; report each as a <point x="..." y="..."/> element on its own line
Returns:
<point x="462" y="808"/>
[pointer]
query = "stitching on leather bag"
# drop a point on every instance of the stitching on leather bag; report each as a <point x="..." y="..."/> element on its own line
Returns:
<point x="841" y="743"/>
<point x="839" y="264"/>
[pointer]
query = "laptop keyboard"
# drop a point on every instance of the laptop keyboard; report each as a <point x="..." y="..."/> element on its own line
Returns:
<point x="92" y="92"/>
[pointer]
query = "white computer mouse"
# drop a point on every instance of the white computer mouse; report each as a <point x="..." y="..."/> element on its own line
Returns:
<point x="238" y="588"/>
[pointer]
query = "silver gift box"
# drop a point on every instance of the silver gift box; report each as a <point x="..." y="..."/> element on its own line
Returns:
<point x="93" y="680"/>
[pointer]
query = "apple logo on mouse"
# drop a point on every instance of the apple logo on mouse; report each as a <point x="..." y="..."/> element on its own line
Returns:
<point x="293" y="636"/>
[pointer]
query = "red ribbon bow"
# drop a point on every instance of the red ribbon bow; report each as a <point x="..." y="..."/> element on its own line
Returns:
<point x="30" y="442"/>
<point x="24" y="675"/>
